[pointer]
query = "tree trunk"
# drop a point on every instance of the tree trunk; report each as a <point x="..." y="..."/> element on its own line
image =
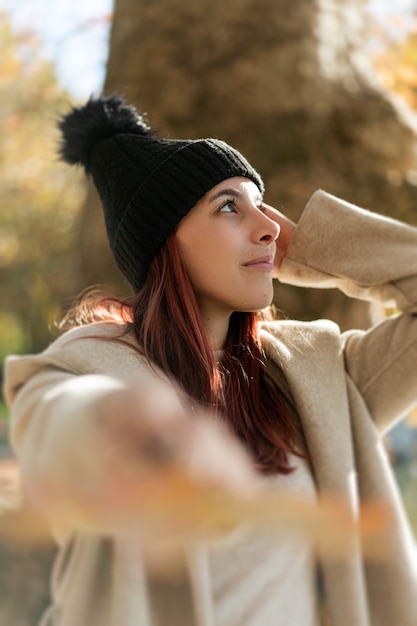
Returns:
<point x="288" y="83"/>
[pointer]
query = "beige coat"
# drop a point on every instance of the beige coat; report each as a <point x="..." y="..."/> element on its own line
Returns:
<point x="348" y="389"/>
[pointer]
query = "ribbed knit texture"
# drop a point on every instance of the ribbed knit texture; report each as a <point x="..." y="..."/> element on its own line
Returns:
<point x="147" y="185"/>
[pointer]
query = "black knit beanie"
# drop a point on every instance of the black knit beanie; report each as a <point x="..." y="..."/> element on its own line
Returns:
<point x="146" y="184"/>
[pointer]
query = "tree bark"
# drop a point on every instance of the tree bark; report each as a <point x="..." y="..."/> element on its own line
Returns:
<point x="288" y="83"/>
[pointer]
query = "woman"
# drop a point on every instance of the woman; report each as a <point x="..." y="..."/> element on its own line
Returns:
<point x="104" y="414"/>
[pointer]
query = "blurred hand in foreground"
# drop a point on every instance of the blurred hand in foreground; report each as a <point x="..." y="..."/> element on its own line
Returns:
<point x="159" y="467"/>
<point x="165" y="475"/>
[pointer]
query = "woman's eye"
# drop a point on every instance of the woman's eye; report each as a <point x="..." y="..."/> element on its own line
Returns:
<point x="228" y="207"/>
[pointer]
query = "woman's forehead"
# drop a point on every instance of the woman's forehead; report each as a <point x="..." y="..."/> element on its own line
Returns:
<point x="236" y="186"/>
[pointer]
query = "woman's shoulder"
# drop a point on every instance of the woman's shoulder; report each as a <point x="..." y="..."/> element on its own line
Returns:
<point x="97" y="331"/>
<point x="99" y="348"/>
<point x="291" y="336"/>
<point x="298" y="329"/>
<point x="302" y="348"/>
<point x="93" y="343"/>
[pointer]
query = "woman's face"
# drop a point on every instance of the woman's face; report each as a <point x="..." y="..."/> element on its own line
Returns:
<point x="227" y="245"/>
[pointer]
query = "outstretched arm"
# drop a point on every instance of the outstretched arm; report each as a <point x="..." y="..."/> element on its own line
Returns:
<point x="102" y="455"/>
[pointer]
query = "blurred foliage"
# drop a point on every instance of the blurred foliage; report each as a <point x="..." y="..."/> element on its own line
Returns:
<point x="396" y="65"/>
<point x="39" y="197"/>
<point x="3" y="413"/>
<point x="396" y="59"/>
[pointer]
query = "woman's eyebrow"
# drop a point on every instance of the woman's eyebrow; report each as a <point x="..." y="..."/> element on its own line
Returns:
<point x="232" y="192"/>
<point x="225" y="192"/>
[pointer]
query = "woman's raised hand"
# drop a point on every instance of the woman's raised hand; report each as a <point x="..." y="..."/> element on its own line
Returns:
<point x="287" y="229"/>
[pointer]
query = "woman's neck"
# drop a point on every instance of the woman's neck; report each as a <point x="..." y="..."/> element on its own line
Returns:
<point x="217" y="327"/>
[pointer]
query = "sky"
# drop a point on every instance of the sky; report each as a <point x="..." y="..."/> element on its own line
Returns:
<point x="74" y="34"/>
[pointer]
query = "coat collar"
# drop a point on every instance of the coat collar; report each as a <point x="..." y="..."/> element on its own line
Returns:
<point x="311" y="359"/>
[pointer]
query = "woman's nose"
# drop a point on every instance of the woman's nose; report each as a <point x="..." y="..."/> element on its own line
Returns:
<point x="268" y="230"/>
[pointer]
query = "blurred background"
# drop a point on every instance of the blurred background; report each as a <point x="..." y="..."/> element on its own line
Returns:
<point x="316" y="93"/>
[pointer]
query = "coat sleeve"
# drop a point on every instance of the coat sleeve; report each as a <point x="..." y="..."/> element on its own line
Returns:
<point x="56" y="401"/>
<point x="374" y="258"/>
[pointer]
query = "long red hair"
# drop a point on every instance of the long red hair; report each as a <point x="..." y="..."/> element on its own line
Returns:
<point x="165" y="318"/>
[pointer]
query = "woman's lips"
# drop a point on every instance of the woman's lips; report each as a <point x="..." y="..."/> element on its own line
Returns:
<point x="261" y="263"/>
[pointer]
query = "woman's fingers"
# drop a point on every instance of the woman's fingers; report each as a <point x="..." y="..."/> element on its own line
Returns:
<point x="287" y="230"/>
<point x="162" y="466"/>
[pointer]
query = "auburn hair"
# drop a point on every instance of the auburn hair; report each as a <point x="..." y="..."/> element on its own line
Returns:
<point x="165" y="318"/>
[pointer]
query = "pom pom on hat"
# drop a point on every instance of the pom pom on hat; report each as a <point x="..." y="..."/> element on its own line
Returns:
<point x="98" y="119"/>
<point x="146" y="184"/>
